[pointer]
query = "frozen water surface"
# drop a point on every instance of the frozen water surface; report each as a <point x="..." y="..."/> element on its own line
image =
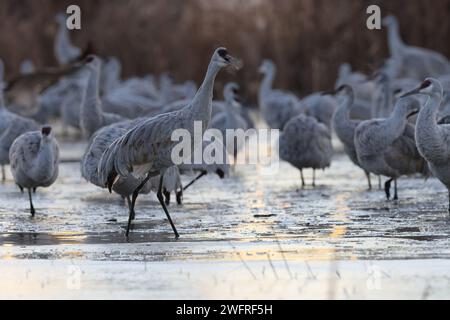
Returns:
<point x="248" y="236"/>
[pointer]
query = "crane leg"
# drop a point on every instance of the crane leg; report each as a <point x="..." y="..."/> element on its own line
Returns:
<point x="195" y="179"/>
<point x="32" y="211"/>
<point x="3" y="174"/>
<point x="368" y="180"/>
<point x="166" y="196"/>
<point x="179" y="195"/>
<point x="449" y="203"/>
<point x="131" y="213"/>
<point x="379" y="182"/>
<point x="387" y="188"/>
<point x="303" y="179"/>
<point x="163" y="205"/>
<point x="314" y="178"/>
<point x="395" y="190"/>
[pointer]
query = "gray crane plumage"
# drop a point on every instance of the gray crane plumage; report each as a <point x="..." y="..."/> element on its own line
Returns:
<point x="276" y="106"/>
<point x="413" y="62"/>
<point x="11" y="126"/>
<point x="92" y="117"/>
<point x="65" y="51"/>
<point x="433" y="139"/>
<point x="345" y="127"/>
<point x="306" y="143"/>
<point x="145" y="150"/>
<point x="34" y="158"/>
<point x="387" y="146"/>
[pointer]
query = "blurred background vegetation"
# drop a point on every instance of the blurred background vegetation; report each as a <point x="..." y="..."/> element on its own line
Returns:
<point x="307" y="39"/>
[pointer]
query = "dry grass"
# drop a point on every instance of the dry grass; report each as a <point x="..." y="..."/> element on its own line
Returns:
<point x="308" y="39"/>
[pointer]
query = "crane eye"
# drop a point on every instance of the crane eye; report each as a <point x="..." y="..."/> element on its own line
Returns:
<point x="425" y="84"/>
<point x="223" y="53"/>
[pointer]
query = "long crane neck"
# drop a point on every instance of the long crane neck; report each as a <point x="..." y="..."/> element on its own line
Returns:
<point x="91" y="115"/>
<point x="394" y="40"/>
<point x="267" y="82"/>
<point x="430" y="141"/>
<point x="201" y="104"/>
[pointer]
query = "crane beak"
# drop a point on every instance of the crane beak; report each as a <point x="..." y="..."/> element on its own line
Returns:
<point x="235" y="63"/>
<point x="410" y="93"/>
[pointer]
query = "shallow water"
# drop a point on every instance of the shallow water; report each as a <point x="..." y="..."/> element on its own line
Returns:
<point x="236" y="234"/>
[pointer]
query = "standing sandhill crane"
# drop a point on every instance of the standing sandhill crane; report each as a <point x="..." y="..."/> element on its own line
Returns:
<point x="65" y="51"/>
<point x="34" y="158"/>
<point x="414" y="62"/>
<point x="92" y="116"/>
<point x="145" y="150"/>
<point x="306" y="143"/>
<point x="433" y="139"/>
<point x="345" y="127"/>
<point x="277" y="106"/>
<point x="387" y="146"/>
<point x="11" y="126"/>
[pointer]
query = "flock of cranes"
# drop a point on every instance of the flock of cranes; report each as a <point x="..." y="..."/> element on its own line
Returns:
<point x="391" y="123"/>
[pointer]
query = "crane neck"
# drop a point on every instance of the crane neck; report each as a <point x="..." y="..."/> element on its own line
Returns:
<point x="430" y="141"/>
<point x="394" y="40"/>
<point x="202" y="101"/>
<point x="267" y="82"/>
<point x="2" y="99"/>
<point x="44" y="162"/>
<point x="91" y="114"/>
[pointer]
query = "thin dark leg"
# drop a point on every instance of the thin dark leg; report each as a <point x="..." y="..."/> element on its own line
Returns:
<point x="395" y="190"/>
<point x="368" y="180"/>
<point x="387" y="188"/>
<point x="303" y="178"/>
<point x="131" y="213"/>
<point x="180" y="196"/>
<point x="379" y="182"/>
<point x="314" y="178"/>
<point x="166" y="196"/>
<point x="163" y="205"/>
<point x="31" y="203"/>
<point x="449" y="203"/>
<point x="195" y="179"/>
<point x="3" y="174"/>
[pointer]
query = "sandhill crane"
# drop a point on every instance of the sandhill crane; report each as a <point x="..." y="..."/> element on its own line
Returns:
<point x="306" y="143"/>
<point x="413" y="62"/>
<point x="145" y="150"/>
<point x="92" y="116"/>
<point x="432" y="139"/>
<point x="277" y="106"/>
<point x="345" y="127"/>
<point x="65" y="51"/>
<point x="34" y="158"/>
<point x="387" y="146"/>
<point x="11" y="126"/>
